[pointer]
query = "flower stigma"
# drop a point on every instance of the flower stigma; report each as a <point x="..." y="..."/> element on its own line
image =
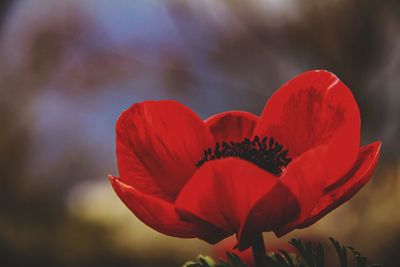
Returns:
<point x="267" y="153"/>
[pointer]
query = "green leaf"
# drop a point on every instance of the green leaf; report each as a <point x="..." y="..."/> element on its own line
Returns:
<point x="191" y="264"/>
<point x="320" y="256"/>
<point x="309" y="255"/>
<point x="288" y="258"/>
<point x="202" y="261"/>
<point x="281" y="260"/>
<point x="361" y="261"/>
<point x="341" y="251"/>
<point x="235" y="260"/>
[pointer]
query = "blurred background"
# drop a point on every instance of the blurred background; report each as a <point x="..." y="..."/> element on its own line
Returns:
<point x="68" y="68"/>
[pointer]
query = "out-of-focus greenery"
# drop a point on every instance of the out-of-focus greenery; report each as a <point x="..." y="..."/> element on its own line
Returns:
<point x="307" y="255"/>
<point x="67" y="68"/>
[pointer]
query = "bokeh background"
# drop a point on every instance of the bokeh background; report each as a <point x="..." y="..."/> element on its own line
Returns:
<point x="68" y="68"/>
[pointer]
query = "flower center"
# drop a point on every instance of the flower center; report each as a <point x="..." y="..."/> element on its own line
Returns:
<point x="266" y="153"/>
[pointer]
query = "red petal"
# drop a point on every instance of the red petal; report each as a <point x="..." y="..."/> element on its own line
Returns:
<point x="222" y="193"/>
<point x="274" y="209"/>
<point x="160" y="214"/>
<point x="301" y="186"/>
<point x="357" y="177"/>
<point x="156" y="213"/>
<point x="232" y="125"/>
<point x="314" y="109"/>
<point x="162" y="140"/>
<point x="132" y="169"/>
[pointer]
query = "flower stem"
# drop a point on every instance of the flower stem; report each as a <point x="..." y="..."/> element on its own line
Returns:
<point x="258" y="249"/>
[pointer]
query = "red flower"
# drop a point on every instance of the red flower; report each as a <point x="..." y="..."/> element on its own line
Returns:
<point x="228" y="175"/>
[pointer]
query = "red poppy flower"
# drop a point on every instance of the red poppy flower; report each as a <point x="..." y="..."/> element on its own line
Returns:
<point x="237" y="173"/>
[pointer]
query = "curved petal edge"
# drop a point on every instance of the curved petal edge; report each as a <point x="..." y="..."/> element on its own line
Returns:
<point x="356" y="178"/>
<point x="232" y="125"/>
<point x="162" y="140"/>
<point x="154" y="212"/>
<point x="315" y="109"/>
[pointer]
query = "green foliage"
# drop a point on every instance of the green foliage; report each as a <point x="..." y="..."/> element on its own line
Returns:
<point x="205" y="261"/>
<point x="308" y="255"/>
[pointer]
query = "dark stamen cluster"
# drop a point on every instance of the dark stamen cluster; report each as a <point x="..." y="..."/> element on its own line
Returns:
<point x="265" y="153"/>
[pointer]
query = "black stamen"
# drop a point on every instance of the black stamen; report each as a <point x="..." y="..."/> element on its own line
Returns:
<point x="267" y="154"/>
